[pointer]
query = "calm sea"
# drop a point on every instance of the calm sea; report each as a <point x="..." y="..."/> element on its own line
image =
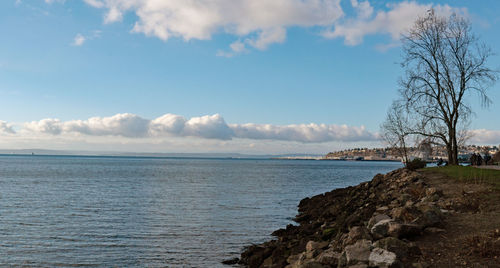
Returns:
<point x="153" y="212"/>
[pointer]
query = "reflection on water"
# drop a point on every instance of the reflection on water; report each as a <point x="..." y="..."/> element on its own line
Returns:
<point x="109" y="211"/>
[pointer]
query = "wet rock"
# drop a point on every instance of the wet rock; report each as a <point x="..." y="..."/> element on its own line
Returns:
<point x="231" y="261"/>
<point x="382" y="258"/>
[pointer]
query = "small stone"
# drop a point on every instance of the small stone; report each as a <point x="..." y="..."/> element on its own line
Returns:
<point x="382" y="258"/>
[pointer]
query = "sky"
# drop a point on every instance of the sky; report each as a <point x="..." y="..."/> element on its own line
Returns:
<point x="247" y="76"/>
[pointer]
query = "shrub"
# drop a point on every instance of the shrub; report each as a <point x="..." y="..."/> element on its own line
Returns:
<point x="496" y="158"/>
<point x="415" y="164"/>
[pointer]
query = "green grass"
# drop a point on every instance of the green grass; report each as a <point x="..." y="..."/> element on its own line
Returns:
<point x="469" y="174"/>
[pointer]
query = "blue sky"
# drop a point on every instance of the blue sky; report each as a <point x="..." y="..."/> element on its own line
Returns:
<point x="223" y="64"/>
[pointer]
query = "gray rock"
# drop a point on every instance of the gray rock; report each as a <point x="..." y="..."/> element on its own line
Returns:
<point x="431" y="215"/>
<point x="376" y="218"/>
<point x="402" y="230"/>
<point x="358" y="252"/>
<point x="357" y="233"/>
<point x="395" y="245"/>
<point x="382" y="258"/>
<point x="379" y="230"/>
<point x="329" y="257"/>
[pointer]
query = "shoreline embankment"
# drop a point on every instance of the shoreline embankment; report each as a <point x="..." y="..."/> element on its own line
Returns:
<point x="400" y="219"/>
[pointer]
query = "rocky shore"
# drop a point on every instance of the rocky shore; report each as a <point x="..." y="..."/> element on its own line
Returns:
<point x="400" y="219"/>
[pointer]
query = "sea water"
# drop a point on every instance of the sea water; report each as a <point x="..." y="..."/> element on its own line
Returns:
<point x="154" y="212"/>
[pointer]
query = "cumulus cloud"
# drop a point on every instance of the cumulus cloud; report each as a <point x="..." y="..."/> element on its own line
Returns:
<point x="6" y="128"/>
<point x="207" y="127"/>
<point x="260" y="22"/>
<point x="303" y="132"/>
<point x="393" y="22"/>
<point x="79" y="40"/>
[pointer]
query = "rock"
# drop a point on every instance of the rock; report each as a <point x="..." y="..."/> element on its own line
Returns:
<point x="434" y="230"/>
<point x="357" y="233"/>
<point x="433" y="191"/>
<point x="359" y="252"/>
<point x="313" y="248"/>
<point x="312" y="264"/>
<point x="296" y="259"/>
<point x="420" y="265"/>
<point x="382" y="208"/>
<point x="382" y="258"/>
<point x="392" y="244"/>
<point x="329" y="257"/>
<point x="403" y="230"/>
<point x="376" y="218"/>
<point x="379" y="230"/>
<point x="312" y="245"/>
<point x="360" y="265"/>
<point x="231" y="261"/>
<point x="430" y="215"/>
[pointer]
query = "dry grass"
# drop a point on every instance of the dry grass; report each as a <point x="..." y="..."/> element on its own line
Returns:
<point x="469" y="174"/>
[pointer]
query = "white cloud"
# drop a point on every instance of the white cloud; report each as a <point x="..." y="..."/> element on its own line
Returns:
<point x="205" y="127"/>
<point x="6" y="128"/>
<point x="45" y="126"/>
<point x="393" y="22"/>
<point x="485" y="136"/>
<point x="260" y="22"/>
<point x="303" y="132"/>
<point x="79" y="40"/>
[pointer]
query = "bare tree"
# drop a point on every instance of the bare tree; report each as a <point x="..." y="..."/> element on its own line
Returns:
<point x="444" y="63"/>
<point x="395" y="130"/>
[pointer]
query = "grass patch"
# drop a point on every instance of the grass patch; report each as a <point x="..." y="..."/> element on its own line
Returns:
<point x="469" y="174"/>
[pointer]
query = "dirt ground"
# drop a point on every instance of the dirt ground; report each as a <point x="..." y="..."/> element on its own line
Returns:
<point x="471" y="236"/>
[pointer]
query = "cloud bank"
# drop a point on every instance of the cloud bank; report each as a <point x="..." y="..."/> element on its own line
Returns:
<point x="206" y="127"/>
<point x="260" y="23"/>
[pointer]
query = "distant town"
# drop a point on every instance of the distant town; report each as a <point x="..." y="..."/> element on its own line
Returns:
<point x="423" y="151"/>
